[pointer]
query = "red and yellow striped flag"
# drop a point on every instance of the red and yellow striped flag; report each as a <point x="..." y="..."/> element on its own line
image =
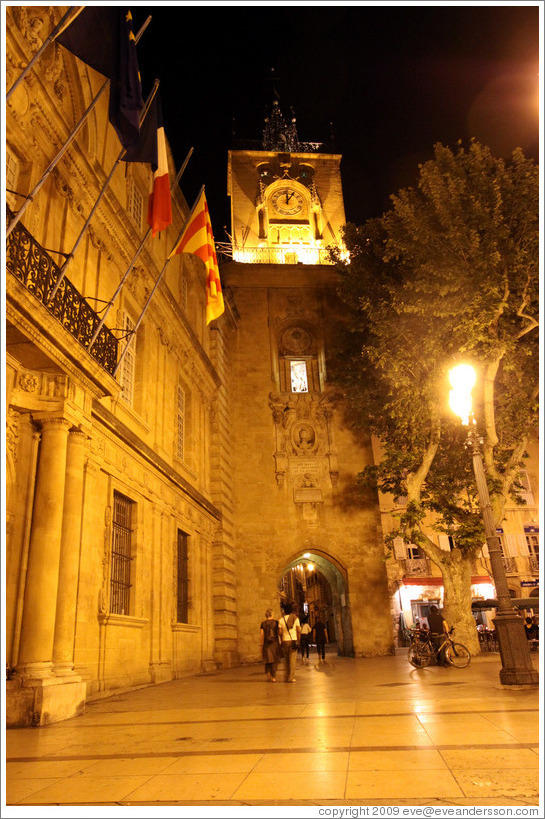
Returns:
<point x="197" y="238"/>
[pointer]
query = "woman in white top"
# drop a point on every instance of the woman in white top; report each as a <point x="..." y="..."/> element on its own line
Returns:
<point x="289" y="632"/>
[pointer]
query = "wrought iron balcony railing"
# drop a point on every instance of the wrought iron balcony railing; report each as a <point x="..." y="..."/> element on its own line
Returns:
<point x="510" y="565"/>
<point x="413" y="567"/>
<point x="533" y="563"/>
<point x="293" y="254"/>
<point x="33" y="267"/>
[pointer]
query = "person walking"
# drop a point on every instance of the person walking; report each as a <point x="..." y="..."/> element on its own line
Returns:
<point x="269" y="644"/>
<point x="289" y="629"/>
<point x="306" y="634"/>
<point x="320" y="637"/>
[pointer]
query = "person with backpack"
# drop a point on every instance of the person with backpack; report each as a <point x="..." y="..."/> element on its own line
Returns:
<point x="269" y="644"/>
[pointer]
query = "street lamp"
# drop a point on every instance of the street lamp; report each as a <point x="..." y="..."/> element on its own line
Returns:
<point x="517" y="667"/>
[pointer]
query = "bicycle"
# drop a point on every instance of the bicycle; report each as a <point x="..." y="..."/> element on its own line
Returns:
<point x="422" y="651"/>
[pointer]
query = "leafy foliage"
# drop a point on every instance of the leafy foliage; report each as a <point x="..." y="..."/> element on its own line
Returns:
<point x="449" y="273"/>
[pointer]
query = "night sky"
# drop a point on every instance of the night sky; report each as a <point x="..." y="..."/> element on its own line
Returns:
<point x="393" y="80"/>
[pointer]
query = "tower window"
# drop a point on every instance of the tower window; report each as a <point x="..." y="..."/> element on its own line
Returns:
<point x="298" y="372"/>
<point x="298" y="361"/>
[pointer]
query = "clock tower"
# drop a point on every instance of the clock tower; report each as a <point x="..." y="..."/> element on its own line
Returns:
<point x="301" y="533"/>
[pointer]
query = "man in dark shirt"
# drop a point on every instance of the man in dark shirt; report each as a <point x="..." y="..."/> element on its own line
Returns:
<point x="438" y="626"/>
<point x="320" y="637"/>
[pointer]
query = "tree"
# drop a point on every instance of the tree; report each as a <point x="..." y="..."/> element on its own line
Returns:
<point x="448" y="274"/>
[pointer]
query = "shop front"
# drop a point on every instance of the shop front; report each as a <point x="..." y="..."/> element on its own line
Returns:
<point x="415" y="596"/>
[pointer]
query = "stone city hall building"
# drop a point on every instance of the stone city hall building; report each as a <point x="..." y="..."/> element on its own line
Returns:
<point x="155" y="508"/>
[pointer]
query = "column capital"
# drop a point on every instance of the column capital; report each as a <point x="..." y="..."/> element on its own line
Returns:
<point x="46" y="419"/>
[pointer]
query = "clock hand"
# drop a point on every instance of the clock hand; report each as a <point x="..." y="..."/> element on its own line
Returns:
<point x="289" y="197"/>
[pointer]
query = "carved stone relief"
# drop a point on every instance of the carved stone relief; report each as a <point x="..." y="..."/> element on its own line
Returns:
<point x="68" y="193"/>
<point x="12" y="432"/>
<point x="304" y="439"/>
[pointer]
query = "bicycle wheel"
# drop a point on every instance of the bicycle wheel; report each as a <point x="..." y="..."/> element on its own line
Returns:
<point x="457" y="655"/>
<point x="419" y="656"/>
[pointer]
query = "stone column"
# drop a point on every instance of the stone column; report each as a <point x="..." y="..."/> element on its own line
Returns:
<point x="65" y="622"/>
<point x="39" y="611"/>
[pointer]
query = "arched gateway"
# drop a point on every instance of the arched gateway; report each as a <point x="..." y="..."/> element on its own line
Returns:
<point x="318" y="583"/>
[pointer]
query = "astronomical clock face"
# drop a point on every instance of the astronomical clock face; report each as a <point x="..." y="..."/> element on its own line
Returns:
<point x="287" y="201"/>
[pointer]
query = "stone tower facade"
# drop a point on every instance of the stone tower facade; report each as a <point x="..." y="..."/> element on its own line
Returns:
<point x="295" y="460"/>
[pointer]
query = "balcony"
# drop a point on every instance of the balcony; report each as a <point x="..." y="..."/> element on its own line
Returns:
<point x="33" y="267"/>
<point x="510" y="565"/>
<point x="533" y="564"/>
<point x="416" y="567"/>
<point x="292" y="254"/>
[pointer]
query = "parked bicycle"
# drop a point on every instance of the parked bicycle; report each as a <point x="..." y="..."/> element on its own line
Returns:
<point x="422" y="651"/>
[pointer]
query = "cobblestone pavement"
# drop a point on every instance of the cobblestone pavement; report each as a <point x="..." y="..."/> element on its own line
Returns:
<point x="349" y="732"/>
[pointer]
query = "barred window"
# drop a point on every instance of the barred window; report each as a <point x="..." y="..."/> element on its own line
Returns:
<point x="182" y="585"/>
<point x="128" y="365"/>
<point x="135" y="203"/>
<point x="120" y="576"/>
<point x="180" y="438"/>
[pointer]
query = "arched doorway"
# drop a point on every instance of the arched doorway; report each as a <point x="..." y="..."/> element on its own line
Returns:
<point x="316" y="582"/>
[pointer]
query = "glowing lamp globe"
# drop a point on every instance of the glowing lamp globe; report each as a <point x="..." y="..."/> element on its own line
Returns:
<point x="462" y="379"/>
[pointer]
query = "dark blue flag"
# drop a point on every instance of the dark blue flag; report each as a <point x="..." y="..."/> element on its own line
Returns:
<point x="102" y="37"/>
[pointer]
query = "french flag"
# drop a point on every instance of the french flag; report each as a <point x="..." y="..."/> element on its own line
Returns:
<point x="159" y="204"/>
<point x="152" y="147"/>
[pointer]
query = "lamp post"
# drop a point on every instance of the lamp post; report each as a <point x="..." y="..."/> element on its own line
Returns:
<point x="517" y="667"/>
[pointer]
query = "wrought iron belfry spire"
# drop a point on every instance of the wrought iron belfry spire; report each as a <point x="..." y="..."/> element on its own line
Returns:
<point x="279" y="135"/>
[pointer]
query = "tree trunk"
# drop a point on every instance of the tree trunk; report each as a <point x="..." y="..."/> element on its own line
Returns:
<point x="457" y="569"/>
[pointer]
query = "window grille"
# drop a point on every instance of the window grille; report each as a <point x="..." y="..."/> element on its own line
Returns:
<point x="128" y="365"/>
<point x="182" y="602"/>
<point x="180" y="440"/>
<point x="120" y="578"/>
<point x="135" y="203"/>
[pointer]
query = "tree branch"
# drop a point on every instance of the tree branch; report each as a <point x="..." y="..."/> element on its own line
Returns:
<point x="491" y="436"/>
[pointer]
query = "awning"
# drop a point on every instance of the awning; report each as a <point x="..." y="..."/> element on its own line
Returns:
<point x="518" y="603"/>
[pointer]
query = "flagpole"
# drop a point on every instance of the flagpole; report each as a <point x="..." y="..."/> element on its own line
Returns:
<point x="30" y="197"/>
<point x="195" y="203"/>
<point x="135" y="257"/>
<point x="97" y="203"/>
<point x="56" y="31"/>
<point x="156" y="285"/>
